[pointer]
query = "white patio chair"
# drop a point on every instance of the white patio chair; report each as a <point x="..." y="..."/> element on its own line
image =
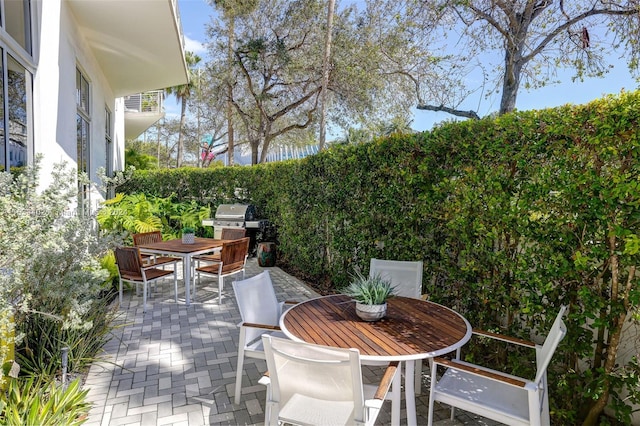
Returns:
<point x="233" y="259"/>
<point x="319" y="385"/>
<point x="132" y="269"/>
<point x="260" y="312"/>
<point x="406" y="280"/>
<point x="493" y="394"/>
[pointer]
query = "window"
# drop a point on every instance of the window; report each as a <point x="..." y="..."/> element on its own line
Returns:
<point x="17" y="78"/>
<point x="16" y="140"/>
<point x="4" y="147"/>
<point x="17" y="21"/>
<point x="82" y="121"/>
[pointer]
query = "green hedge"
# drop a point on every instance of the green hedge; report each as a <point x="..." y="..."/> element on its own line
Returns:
<point x="512" y="217"/>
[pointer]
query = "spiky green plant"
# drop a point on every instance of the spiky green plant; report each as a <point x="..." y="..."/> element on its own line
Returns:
<point x="372" y="290"/>
<point x="31" y="401"/>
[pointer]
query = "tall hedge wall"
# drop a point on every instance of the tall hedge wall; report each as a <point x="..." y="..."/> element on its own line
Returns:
<point x="512" y="217"/>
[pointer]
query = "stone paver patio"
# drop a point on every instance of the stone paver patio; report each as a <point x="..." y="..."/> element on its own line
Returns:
<point x="175" y="365"/>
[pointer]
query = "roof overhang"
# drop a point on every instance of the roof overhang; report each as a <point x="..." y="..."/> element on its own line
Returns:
<point x="137" y="43"/>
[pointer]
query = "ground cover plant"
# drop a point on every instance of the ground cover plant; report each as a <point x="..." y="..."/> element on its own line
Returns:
<point x="512" y="217"/>
<point x="54" y="295"/>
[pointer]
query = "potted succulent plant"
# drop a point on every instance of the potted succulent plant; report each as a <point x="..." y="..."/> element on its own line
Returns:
<point x="188" y="235"/>
<point x="370" y="294"/>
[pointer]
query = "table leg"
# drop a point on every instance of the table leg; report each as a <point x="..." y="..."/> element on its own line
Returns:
<point x="409" y="392"/>
<point x="187" y="279"/>
<point x="396" y="397"/>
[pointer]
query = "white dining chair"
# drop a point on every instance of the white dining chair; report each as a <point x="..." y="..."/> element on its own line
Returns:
<point x="405" y="276"/>
<point x="260" y="312"/>
<point x="496" y="395"/>
<point x="406" y="280"/>
<point x="319" y="385"/>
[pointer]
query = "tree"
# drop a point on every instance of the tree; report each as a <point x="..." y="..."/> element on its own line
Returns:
<point x="277" y="71"/>
<point x="377" y="56"/>
<point x="182" y="93"/>
<point x="211" y="119"/>
<point x="534" y="38"/>
<point x="230" y="10"/>
<point x="326" y="58"/>
<point x="279" y="61"/>
<point x="140" y="161"/>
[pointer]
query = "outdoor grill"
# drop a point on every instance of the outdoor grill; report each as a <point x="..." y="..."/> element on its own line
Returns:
<point x="236" y="216"/>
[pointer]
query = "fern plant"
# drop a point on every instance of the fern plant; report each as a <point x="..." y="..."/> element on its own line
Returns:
<point x="129" y="213"/>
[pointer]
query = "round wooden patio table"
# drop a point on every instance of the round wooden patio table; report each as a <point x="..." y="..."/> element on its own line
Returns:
<point x="413" y="329"/>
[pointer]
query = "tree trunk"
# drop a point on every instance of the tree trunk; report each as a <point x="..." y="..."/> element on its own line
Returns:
<point x="183" y="117"/>
<point x="255" y="145"/>
<point x="325" y="74"/>
<point x="230" y="134"/>
<point x="612" y="352"/>
<point x="615" y="333"/>
<point x="158" y="142"/>
<point x="510" y="83"/>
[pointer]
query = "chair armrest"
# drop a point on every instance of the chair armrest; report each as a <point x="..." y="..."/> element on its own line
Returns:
<point x="265" y="379"/>
<point x="385" y="383"/>
<point x="262" y="326"/>
<point x="503" y="338"/>
<point x="485" y="372"/>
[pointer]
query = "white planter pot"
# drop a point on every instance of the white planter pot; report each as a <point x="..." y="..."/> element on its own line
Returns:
<point x="371" y="312"/>
<point x="188" y="238"/>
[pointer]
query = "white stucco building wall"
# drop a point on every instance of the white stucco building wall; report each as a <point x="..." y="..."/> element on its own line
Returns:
<point x="120" y="47"/>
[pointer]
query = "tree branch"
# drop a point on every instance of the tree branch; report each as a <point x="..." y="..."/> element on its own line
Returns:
<point x="569" y="23"/>
<point x="467" y="114"/>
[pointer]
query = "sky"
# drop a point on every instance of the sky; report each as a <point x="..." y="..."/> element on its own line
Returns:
<point x="196" y="14"/>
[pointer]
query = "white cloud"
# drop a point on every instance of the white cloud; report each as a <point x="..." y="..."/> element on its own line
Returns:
<point x="194" y="46"/>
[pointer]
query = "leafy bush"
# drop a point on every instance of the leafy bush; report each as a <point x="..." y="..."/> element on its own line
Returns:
<point x="32" y="401"/>
<point x="45" y="337"/>
<point x="52" y="279"/>
<point x="512" y="218"/>
<point x="108" y="263"/>
<point x="134" y="213"/>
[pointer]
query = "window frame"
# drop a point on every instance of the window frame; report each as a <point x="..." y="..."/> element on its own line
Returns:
<point x="83" y="137"/>
<point x="11" y="48"/>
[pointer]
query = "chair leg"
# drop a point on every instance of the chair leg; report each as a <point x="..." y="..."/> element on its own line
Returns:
<point x="274" y="412"/>
<point x="239" y="367"/>
<point x="220" y="286"/>
<point x="409" y="391"/>
<point x="267" y="409"/>
<point x="418" y="377"/>
<point x="195" y="267"/>
<point x="396" y="397"/>
<point x="432" y="372"/>
<point x="144" y="296"/>
<point x="120" y="292"/>
<point x="175" y="284"/>
<point x="193" y="284"/>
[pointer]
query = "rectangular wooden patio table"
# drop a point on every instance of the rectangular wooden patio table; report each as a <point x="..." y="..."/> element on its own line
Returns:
<point x="186" y="251"/>
<point x="412" y="330"/>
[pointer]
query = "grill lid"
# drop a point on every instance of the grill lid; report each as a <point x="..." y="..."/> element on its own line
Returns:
<point x="240" y="212"/>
